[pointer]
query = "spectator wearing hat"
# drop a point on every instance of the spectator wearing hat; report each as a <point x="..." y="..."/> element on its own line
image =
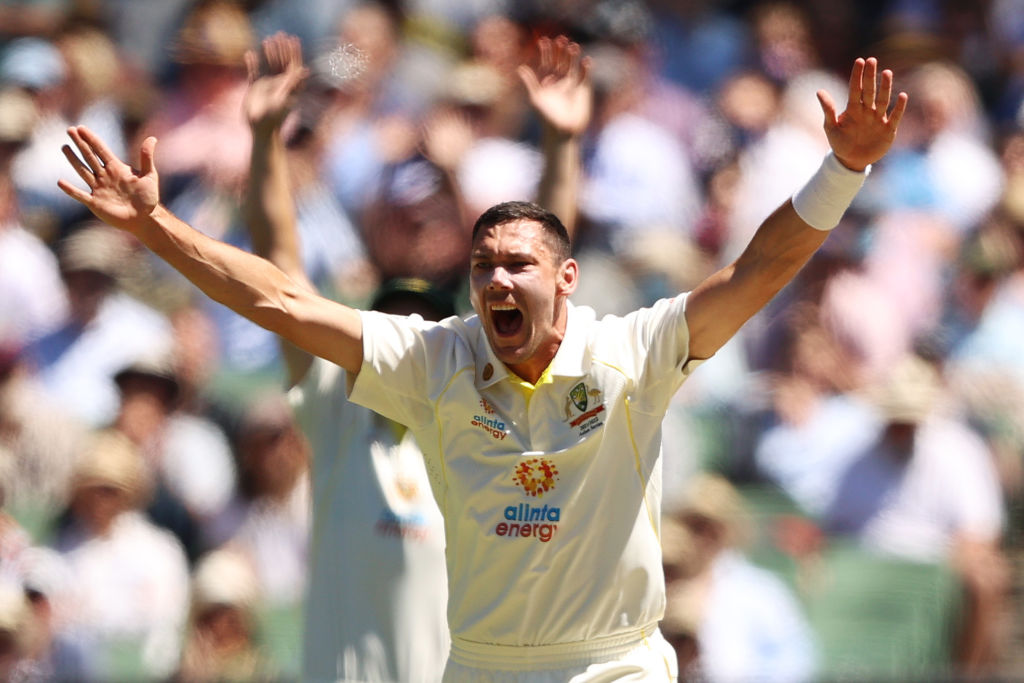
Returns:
<point x="188" y="455"/>
<point x="927" y="490"/>
<point x="105" y="330"/>
<point x="738" y="622"/>
<point x="199" y="122"/>
<point x="131" y="577"/>
<point x="221" y="643"/>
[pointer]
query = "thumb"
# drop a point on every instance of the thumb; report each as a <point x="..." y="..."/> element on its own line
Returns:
<point x="146" y="156"/>
<point x="529" y="78"/>
<point x="828" y="106"/>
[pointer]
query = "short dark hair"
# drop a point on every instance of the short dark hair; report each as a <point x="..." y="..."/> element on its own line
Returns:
<point x="508" y="212"/>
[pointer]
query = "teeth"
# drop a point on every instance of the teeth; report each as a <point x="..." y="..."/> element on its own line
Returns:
<point x="503" y="307"/>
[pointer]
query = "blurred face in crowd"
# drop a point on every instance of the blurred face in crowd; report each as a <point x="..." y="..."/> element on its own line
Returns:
<point x="273" y="456"/>
<point x="224" y="626"/>
<point x="86" y="291"/>
<point x="707" y="539"/>
<point x="96" y="505"/>
<point x="518" y="287"/>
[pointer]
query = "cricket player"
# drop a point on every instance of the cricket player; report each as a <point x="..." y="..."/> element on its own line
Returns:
<point x="539" y="423"/>
<point x="375" y="610"/>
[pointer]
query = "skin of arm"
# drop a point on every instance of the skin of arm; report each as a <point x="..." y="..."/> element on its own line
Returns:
<point x="560" y="92"/>
<point x="268" y="205"/>
<point x="129" y="199"/>
<point x="782" y="245"/>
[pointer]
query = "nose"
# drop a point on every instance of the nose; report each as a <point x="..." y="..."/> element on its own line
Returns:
<point x="500" y="279"/>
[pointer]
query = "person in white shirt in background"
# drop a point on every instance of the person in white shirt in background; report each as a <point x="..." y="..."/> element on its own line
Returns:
<point x="131" y="577"/>
<point x="926" y="489"/>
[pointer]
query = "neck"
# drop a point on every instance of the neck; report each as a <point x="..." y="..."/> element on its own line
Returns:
<point x="533" y="367"/>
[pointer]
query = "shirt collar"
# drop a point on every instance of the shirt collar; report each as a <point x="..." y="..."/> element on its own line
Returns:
<point x="571" y="360"/>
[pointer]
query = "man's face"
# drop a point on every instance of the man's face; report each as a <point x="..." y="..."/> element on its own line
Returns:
<point x="518" y="289"/>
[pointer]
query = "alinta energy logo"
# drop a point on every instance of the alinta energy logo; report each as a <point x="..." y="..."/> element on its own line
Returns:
<point x="535" y="477"/>
<point x="492" y="425"/>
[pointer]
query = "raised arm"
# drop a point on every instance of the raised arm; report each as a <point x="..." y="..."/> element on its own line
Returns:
<point x="560" y="92"/>
<point x="268" y="206"/>
<point x="859" y="136"/>
<point x="129" y="199"/>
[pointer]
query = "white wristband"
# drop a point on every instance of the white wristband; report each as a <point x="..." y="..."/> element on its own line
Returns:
<point x="822" y="202"/>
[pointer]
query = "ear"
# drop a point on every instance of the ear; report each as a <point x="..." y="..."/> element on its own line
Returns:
<point x="568" y="277"/>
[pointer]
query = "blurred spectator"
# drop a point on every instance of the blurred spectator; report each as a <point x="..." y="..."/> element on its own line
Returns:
<point x="639" y="179"/>
<point x="746" y="623"/>
<point x="927" y="490"/>
<point x="220" y="644"/>
<point x="32" y="300"/>
<point x="944" y="162"/>
<point x="142" y="30"/>
<point x="54" y="652"/>
<point x="188" y="455"/>
<point x="131" y="578"/>
<point x="781" y="159"/>
<point x="269" y="521"/>
<point x="199" y="122"/>
<point x="699" y="43"/>
<point x="38" y="444"/>
<point x="784" y="40"/>
<point x="105" y="330"/>
<point x="65" y="93"/>
<point x="817" y="425"/>
<point x="371" y="108"/>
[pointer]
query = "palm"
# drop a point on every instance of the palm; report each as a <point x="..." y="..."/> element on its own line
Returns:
<point x="118" y="194"/>
<point x="559" y="88"/>
<point x="273" y="80"/>
<point x="126" y="196"/>
<point x="863" y="133"/>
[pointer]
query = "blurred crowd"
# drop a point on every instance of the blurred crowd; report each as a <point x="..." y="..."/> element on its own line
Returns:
<point x="154" y="485"/>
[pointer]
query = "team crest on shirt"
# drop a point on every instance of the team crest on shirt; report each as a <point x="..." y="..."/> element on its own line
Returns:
<point x="577" y="402"/>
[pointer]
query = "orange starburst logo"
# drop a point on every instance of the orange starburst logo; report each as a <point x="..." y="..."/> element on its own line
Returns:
<point x="536" y="476"/>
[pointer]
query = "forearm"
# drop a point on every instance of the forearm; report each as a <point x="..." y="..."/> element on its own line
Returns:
<point x="558" y="191"/>
<point x="256" y="289"/>
<point x="782" y="245"/>
<point x="268" y="206"/>
<point x="270" y="215"/>
<point x="245" y="283"/>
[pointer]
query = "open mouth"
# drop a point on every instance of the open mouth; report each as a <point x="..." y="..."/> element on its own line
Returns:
<point x="507" y="319"/>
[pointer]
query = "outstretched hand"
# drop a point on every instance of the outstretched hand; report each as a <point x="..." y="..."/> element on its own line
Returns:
<point x="118" y="194"/>
<point x="273" y="80"/>
<point x="559" y="87"/>
<point x="863" y="133"/>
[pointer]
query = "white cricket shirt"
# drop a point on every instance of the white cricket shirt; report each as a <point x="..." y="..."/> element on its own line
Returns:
<point x="375" y="608"/>
<point x="550" y="493"/>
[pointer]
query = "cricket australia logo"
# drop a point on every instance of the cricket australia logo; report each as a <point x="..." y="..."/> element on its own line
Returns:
<point x="581" y="397"/>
